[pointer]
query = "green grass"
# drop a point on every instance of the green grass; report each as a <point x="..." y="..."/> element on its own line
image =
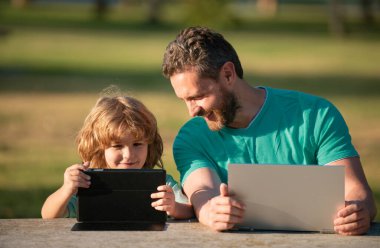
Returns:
<point x="54" y="61"/>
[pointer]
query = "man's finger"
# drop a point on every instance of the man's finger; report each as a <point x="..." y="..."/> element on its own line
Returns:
<point x="354" y="228"/>
<point x="221" y="226"/>
<point x="354" y="217"/>
<point x="227" y="218"/>
<point x="350" y="209"/>
<point x="223" y="189"/>
<point x="230" y="210"/>
<point x="227" y="201"/>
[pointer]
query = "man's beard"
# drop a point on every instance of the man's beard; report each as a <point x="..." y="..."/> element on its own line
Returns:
<point x="225" y="114"/>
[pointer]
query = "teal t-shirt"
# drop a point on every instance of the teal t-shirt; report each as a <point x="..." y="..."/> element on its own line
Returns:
<point x="291" y="128"/>
<point x="177" y="190"/>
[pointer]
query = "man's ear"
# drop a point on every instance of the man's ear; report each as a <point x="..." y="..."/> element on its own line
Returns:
<point x="228" y="73"/>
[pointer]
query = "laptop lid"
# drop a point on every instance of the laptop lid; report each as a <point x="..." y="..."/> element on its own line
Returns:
<point x="288" y="197"/>
<point x="119" y="199"/>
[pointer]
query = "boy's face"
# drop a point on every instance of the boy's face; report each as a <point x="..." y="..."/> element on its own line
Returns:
<point x="127" y="153"/>
<point x="205" y="97"/>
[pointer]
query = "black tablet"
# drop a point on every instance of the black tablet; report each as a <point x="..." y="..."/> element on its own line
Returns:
<point x="119" y="199"/>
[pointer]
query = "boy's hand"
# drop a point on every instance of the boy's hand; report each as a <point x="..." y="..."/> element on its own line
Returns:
<point x="74" y="177"/>
<point x="166" y="200"/>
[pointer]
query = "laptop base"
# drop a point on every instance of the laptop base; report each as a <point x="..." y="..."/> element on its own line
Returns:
<point x="118" y="226"/>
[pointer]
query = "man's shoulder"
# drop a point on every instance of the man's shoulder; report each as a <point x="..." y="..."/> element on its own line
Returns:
<point x="284" y="96"/>
<point x="194" y="124"/>
<point x="196" y="132"/>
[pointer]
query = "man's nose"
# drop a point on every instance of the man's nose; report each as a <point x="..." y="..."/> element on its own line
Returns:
<point x="193" y="109"/>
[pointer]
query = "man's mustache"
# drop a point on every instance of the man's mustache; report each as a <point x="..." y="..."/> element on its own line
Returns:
<point x="201" y="113"/>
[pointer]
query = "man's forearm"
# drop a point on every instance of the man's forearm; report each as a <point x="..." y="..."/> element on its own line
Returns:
<point x="201" y="205"/>
<point x="371" y="206"/>
<point x="365" y="196"/>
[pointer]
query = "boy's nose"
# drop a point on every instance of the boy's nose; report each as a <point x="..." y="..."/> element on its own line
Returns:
<point x="127" y="152"/>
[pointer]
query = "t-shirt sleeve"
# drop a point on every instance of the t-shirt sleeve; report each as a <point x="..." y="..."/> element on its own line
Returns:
<point x="332" y="135"/>
<point x="177" y="190"/>
<point x="72" y="207"/>
<point x="187" y="150"/>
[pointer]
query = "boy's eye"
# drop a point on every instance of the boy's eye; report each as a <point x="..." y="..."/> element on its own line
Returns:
<point x="138" y="144"/>
<point x="116" y="146"/>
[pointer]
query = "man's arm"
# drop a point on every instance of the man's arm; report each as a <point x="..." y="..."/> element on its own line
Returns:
<point x="355" y="218"/>
<point x="212" y="205"/>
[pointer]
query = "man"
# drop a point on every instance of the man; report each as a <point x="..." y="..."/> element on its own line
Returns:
<point x="237" y="123"/>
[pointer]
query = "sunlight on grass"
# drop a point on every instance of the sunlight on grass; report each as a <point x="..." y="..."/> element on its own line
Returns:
<point x="82" y="50"/>
<point x="115" y="51"/>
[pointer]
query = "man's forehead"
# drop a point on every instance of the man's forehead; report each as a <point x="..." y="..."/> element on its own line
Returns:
<point x="187" y="86"/>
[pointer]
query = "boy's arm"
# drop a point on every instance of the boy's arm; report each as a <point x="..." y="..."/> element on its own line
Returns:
<point x="55" y="205"/>
<point x="182" y="211"/>
<point x="360" y="209"/>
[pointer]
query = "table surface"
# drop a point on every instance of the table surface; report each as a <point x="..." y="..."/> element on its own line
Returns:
<point x="57" y="233"/>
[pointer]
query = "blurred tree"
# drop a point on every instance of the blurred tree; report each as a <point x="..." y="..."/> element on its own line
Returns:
<point x="367" y="11"/>
<point x="267" y="7"/>
<point x="209" y="13"/>
<point x="20" y="3"/>
<point x="101" y="7"/>
<point x="154" y="10"/>
<point x="336" y="18"/>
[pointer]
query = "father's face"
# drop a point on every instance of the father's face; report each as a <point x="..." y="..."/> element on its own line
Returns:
<point x="207" y="98"/>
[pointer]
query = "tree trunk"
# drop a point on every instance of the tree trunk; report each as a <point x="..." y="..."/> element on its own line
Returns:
<point x="154" y="11"/>
<point x="100" y="9"/>
<point x="336" y="20"/>
<point x="367" y="11"/>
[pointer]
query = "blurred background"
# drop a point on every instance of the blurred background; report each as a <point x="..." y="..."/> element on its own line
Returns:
<point x="57" y="56"/>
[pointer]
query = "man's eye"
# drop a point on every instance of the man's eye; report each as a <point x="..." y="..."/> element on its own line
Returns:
<point x="195" y="98"/>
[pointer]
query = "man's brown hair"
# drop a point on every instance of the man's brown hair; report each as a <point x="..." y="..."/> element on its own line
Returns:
<point x="201" y="49"/>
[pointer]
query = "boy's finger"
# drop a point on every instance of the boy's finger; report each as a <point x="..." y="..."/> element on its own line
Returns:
<point x="157" y="203"/>
<point x="85" y="176"/>
<point x="157" y="195"/>
<point x="164" y="188"/>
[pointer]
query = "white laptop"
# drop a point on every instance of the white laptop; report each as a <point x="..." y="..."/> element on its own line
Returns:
<point x="288" y="197"/>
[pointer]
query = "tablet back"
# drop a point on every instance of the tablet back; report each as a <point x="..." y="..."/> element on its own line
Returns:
<point x="120" y="199"/>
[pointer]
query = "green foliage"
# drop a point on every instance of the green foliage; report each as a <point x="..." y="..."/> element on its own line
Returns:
<point x="212" y="13"/>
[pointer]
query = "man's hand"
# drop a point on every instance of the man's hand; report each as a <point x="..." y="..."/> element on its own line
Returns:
<point x="353" y="219"/>
<point x="224" y="211"/>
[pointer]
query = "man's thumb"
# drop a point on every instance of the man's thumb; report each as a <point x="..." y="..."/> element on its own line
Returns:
<point x="223" y="189"/>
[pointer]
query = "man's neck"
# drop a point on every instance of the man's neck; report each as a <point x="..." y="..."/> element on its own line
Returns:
<point x="251" y="100"/>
